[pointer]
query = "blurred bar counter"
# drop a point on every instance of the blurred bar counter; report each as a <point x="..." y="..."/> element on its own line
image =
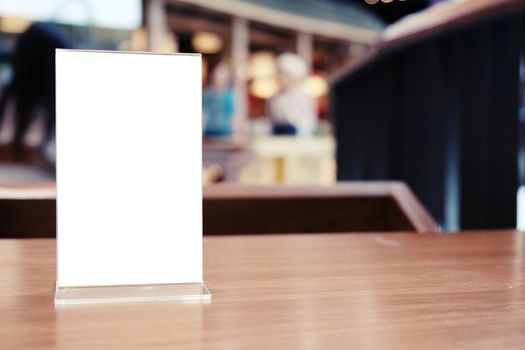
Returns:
<point x="270" y="160"/>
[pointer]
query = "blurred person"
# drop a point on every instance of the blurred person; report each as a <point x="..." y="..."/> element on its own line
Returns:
<point x="218" y="103"/>
<point x="292" y="111"/>
<point x="33" y="83"/>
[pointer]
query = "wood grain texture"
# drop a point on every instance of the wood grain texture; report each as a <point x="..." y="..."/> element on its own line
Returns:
<point x="320" y="291"/>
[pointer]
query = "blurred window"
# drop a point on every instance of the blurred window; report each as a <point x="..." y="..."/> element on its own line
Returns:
<point x="118" y="14"/>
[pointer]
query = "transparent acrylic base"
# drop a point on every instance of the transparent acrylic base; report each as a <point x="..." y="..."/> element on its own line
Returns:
<point x="131" y="293"/>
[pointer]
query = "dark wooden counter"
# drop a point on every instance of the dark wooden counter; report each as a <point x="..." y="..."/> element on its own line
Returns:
<point x="29" y="210"/>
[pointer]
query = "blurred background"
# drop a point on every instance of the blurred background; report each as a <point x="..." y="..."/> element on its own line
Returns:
<point x="304" y="91"/>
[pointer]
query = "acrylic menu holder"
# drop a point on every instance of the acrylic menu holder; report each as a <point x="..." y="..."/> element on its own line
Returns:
<point x="129" y="191"/>
<point x="128" y="294"/>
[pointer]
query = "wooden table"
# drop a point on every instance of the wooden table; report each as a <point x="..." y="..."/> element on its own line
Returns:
<point x="318" y="291"/>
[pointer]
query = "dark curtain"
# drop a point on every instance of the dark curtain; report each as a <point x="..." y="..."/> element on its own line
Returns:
<point x="440" y="114"/>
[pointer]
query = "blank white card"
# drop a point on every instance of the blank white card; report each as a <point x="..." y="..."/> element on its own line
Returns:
<point x="129" y="193"/>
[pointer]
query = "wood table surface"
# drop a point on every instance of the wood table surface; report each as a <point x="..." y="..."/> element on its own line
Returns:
<point x="317" y="291"/>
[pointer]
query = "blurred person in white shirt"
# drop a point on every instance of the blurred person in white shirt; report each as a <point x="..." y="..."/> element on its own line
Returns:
<point x="292" y="111"/>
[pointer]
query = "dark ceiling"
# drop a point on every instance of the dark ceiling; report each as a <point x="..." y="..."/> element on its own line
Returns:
<point x="394" y="10"/>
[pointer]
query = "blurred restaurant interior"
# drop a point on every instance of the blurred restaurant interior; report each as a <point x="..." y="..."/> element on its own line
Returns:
<point x="305" y="92"/>
<point x="388" y="93"/>
<point x="363" y="172"/>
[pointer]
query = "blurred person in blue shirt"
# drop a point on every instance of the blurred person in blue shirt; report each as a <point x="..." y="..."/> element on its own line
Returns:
<point x="218" y="103"/>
